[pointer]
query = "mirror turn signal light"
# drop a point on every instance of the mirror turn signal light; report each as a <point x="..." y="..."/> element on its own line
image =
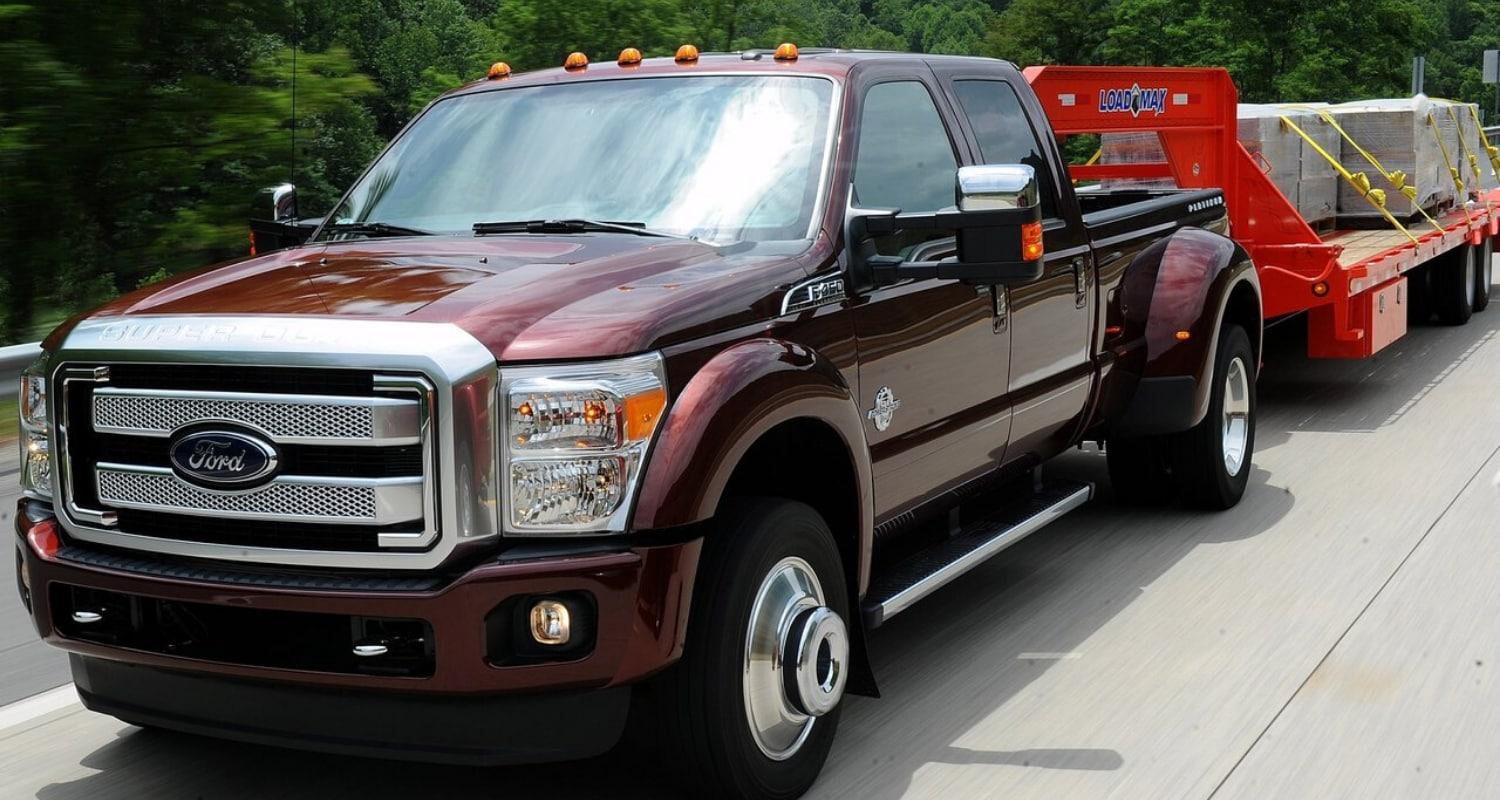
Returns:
<point x="576" y="61"/>
<point x="629" y="57"/>
<point x="499" y="70"/>
<point x="1031" y="241"/>
<point x="686" y="54"/>
<point x="786" y="52"/>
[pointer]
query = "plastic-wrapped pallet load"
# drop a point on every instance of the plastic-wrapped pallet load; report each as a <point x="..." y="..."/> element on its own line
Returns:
<point x="1396" y="133"/>
<point x="1478" y="173"/>
<point x="1133" y="148"/>
<point x="1304" y="176"/>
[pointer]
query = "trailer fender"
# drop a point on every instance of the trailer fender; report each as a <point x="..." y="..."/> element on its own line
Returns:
<point x="1173" y="300"/>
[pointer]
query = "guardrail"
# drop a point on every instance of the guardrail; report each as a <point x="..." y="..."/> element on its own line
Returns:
<point x="12" y="361"/>
<point x="1492" y="132"/>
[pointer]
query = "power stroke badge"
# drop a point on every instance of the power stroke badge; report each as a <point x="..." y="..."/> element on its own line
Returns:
<point x="885" y="408"/>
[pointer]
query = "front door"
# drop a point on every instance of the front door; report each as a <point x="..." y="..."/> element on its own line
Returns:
<point x="933" y="354"/>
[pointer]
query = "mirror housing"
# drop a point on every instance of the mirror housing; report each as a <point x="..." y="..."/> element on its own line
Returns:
<point x="997" y="223"/>
<point x="284" y="228"/>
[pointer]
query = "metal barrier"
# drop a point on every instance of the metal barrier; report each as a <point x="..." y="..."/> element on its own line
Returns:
<point x="12" y="361"/>
<point x="1493" y="132"/>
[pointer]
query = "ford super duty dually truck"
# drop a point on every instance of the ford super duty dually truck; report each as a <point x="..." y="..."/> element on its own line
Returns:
<point x="636" y="390"/>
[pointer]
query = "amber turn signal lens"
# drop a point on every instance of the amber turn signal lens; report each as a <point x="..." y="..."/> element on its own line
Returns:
<point x="1320" y="289"/>
<point x="641" y="413"/>
<point x="576" y="61"/>
<point x="1031" y="241"/>
<point x="786" y="52"/>
<point x="687" y="54"/>
<point x="630" y="57"/>
<point x="499" y="70"/>
<point x="1183" y="336"/>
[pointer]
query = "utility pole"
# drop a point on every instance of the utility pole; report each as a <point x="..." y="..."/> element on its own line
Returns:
<point x="1492" y="76"/>
<point x="1418" y="74"/>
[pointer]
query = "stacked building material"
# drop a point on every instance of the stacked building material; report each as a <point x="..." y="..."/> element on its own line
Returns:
<point x="1307" y="179"/>
<point x="1468" y="151"/>
<point x="1398" y="135"/>
<point x="1133" y="148"/>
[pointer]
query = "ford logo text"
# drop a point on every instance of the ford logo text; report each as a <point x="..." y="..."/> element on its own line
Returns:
<point x="223" y="458"/>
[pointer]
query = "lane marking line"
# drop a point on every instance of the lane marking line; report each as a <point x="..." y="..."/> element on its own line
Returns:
<point x="1049" y="656"/>
<point x="39" y="705"/>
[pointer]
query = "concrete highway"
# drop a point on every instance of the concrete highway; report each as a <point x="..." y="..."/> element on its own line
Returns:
<point x="1333" y="636"/>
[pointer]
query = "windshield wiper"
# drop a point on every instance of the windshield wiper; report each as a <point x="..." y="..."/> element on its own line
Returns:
<point x="374" y="229"/>
<point x="573" y="226"/>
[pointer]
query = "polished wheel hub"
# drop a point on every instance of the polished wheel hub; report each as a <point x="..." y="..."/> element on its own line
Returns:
<point x="1470" y="285"/>
<point x="796" y="658"/>
<point x="1236" y="416"/>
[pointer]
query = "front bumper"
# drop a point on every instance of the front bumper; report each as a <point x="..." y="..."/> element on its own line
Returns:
<point x="641" y="595"/>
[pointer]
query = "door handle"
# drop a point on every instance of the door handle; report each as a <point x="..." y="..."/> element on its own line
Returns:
<point x="1080" y="282"/>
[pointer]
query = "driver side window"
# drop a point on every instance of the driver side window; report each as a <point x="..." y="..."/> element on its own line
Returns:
<point x="905" y="159"/>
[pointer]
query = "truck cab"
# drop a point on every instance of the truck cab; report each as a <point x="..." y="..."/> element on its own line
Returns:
<point x="641" y="389"/>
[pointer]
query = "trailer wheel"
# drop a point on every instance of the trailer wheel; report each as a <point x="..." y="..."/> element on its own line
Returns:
<point x="1139" y="472"/>
<point x="1454" y="280"/>
<point x="1485" y="274"/>
<point x="751" y="709"/>
<point x="1211" y="462"/>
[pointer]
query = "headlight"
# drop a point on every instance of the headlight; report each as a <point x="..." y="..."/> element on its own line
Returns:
<point x="36" y="456"/>
<point x="574" y="440"/>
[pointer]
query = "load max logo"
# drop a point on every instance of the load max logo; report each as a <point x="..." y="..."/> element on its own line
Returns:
<point x="1134" y="100"/>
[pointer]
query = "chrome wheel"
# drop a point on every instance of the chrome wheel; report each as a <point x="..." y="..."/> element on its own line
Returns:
<point x="1236" y="416"/>
<point x="796" y="658"/>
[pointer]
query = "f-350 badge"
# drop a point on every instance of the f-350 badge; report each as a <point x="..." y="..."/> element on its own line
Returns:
<point x="885" y="408"/>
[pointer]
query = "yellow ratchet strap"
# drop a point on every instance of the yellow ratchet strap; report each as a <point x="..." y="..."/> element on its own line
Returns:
<point x="1395" y="177"/>
<point x="1361" y="182"/>
<point x="1094" y="159"/>
<point x="1458" y="180"/>
<point x="1468" y="154"/>
<point x="1489" y="149"/>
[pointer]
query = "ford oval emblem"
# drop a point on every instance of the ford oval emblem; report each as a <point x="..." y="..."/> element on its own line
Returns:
<point x="219" y="458"/>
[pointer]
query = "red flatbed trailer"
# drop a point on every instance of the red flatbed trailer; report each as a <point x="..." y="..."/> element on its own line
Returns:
<point x="1351" y="283"/>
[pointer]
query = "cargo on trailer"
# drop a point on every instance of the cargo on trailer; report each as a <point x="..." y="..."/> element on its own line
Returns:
<point x="1397" y="133"/>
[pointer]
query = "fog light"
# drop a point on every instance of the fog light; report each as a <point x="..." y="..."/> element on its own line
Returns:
<point x="551" y="624"/>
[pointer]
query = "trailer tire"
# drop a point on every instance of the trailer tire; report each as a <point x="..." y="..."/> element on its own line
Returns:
<point x="1453" y="285"/>
<point x="1211" y="462"/>
<point x="1484" y="274"/>
<point x="1139" y="471"/>
<point x="770" y="576"/>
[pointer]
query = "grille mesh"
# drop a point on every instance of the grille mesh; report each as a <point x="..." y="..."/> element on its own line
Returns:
<point x="287" y="501"/>
<point x="167" y="414"/>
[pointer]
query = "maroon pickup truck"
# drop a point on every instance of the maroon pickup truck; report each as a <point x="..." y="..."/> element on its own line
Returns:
<point x="630" y="390"/>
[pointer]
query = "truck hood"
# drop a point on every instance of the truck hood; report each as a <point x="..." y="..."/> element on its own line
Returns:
<point x="524" y="297"/>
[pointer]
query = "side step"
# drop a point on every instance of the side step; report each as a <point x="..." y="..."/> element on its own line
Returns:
<point x="923" y="573"/>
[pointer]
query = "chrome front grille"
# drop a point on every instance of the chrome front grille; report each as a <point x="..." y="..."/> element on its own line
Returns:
<point x="284" y="418"/>
<point x="383" y="433"/>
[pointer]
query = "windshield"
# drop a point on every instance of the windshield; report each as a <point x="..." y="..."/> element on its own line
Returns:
<point x="718" y="158"/>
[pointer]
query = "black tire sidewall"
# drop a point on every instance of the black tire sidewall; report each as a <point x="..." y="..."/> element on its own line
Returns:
<point x="1482" y="277"/>
<point x="755" y="536"/>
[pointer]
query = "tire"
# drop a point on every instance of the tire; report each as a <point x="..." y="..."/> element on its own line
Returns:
<point x="1204" y="463"/>
<point x="1139" y="472"/>
<point x="702" y="703"/>
<point x="1419" y="294"/>
<point x="1484" y="275"/>
<point x="1453" y="286"/>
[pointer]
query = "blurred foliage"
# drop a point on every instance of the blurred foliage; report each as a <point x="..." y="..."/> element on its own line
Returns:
<point x="135" y="134"/>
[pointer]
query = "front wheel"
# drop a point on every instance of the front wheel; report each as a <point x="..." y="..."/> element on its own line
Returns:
<point x="1211" y="462"/>
<point x="751" y="709"/>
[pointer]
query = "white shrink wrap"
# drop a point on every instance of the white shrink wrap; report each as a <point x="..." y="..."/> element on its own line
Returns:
<point x="1397" y="134"/>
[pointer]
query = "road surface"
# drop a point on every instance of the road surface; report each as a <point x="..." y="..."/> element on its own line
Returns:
<point x="1333" y="636"/>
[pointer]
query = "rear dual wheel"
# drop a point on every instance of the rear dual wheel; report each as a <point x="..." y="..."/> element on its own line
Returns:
<point x="1207" y="466"/>
<point x="1455" y="285"/>
<point x="1484" y="274"/>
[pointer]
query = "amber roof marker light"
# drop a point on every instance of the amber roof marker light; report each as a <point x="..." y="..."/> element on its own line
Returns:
<point x="629" y="57"/>
<point x="686" y="54"/>
<point x="575" y="62"/>
<point x="498" y="70"/>
<point x="786" y="52"/>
